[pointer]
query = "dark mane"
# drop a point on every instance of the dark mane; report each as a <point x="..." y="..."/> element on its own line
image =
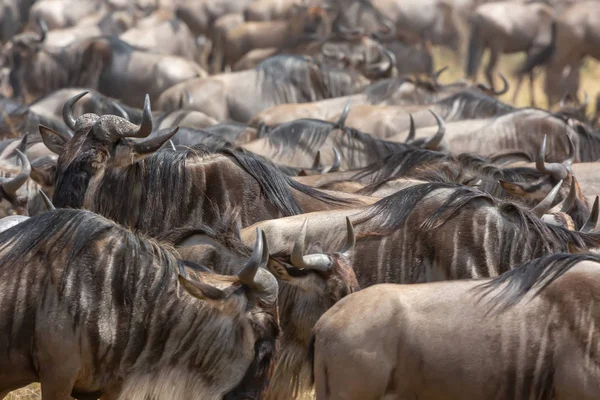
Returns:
<point x="399" y="165"/>
<point x="165" y="191"/>
<point x="226" y="232"/>
<point x="312" y="134"/>
<point x="392" y="212"/>
<point x="589" y="144"/>
<point x="435" y="166"/>
<point x="79" y="231"/>
<point x="383" y="89"/>
<point x="196" y="137"/>
<point x="278" y="74"/>
<point x="276" y="186"/>
<point x="510" y="287"/>
<point x="476" y="104"/>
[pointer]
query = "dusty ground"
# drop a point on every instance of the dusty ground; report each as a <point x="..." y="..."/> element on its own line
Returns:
<point x="590" y="82"/>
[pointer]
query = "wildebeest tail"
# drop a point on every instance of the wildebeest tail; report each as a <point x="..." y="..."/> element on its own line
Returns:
<point x="311" y="357"/>
<point x="542" y="56"/>
<point x="475" y="51"/>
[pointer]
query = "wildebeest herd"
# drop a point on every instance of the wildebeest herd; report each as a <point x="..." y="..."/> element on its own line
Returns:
<point x="275" y="199"/>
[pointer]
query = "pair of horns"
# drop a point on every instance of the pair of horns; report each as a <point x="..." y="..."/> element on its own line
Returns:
<point x="545" y="205"/>
<point x="143" y="131"/>
<point x="318" y="262"/>
<point x="582" y="106"/>
<point x="432" y="143"/>
<point x="115" y="131"/>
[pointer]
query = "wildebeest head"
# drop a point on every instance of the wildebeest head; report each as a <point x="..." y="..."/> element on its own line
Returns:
<point x="553" y="173"/>
<point x="328" y="273"/>
<point x="21" y="50"/>
<point x="14" y="190"/>
<point x="261" y="283"/>
<point x="99" y="142"/>
<point x="309" y="284"/>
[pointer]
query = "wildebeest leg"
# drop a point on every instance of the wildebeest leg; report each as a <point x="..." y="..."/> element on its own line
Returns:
<point x="491" y="67"/>
<point x="531" y="89"/>
<point x="517" y="88"/>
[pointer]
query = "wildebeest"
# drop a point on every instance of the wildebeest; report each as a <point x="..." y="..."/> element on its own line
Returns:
<point x="527" y="334"/>
<point x="101" y="157"/>
<point x="280" y="79"/>
<point x="309" y="283"/>
<point x="252" y="35"/>
<point x="433" y="231"/>
<point x="18" y="193"/>
<point x="296" y="144"/>
<point x="574" y="36"/>
<point x="105" y="63"/>
<point x="102" y="334"/>
<point x="507" y="27"/>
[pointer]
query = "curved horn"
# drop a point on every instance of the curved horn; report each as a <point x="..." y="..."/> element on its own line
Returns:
<point x="23" y="145"/>
<point x="382" y="67"/>
<point x="318" y="262"/>
<point x="556" y="170"/>
<point x="337" y="161"/>
<point x="146" y="125"/>
<point x="569" y="201"/>
<point x="390" y="30"/>
<point x="586" y="101"/>
<point x="342" y="120"/>
<point x="350" y="238"/>
<point x="505" y="85"/>
<point x="563" y="100"/>
<point x="11" y="186"/>
<point x="434" y="142"/>
<point x="317" y="162"/>
<point x="153" y="144"/>
<point x="436" y="74"/>
<point x="43" y="29"/>
<point x="67" y="113"/>
<point x="47" y="201"/>
<point x="412" y="131"/>
<point x="297" y="256"/>
<point x="120" y="110"/>
<point x="592" y="221"/>
<point x="544" y="206"/>
<point x="571" y="158"/>
<point x="248" y="272"/>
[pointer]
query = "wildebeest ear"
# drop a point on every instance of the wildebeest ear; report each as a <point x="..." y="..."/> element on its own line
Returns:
<point x="279" y="270"/>
<point x="53" y="140"/>
<point x="514" y="188"/>
<point x="43" y="171"/>
<point x="201" y="290"/>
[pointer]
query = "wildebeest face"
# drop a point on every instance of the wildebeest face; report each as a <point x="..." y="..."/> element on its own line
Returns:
<point x="103" y="140"/>
<point x="331" y="276"/>
<point x="253" y="285"/>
